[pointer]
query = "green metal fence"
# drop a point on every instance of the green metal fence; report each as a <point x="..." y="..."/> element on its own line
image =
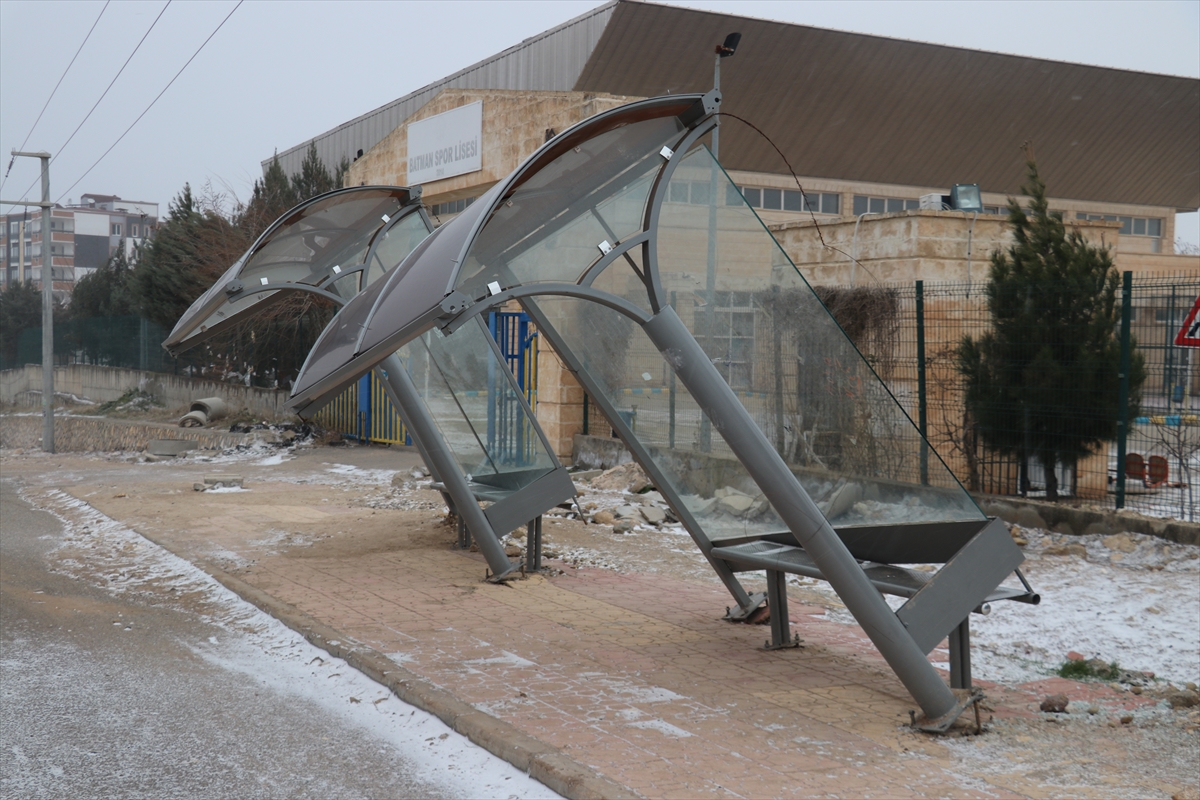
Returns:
<point x="911" y="336"/>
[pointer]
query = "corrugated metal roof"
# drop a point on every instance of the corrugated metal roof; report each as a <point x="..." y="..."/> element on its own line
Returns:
<point x="550" y="61"/>
<point x="866" y="108"/>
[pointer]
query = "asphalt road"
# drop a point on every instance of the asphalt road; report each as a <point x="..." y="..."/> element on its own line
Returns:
<point x="100" y="697"/>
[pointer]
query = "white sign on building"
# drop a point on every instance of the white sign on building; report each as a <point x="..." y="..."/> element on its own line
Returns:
<point x="446" y="145"/>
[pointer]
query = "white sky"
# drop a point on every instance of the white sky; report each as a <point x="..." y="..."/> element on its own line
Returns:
<point x="279" y="73"/>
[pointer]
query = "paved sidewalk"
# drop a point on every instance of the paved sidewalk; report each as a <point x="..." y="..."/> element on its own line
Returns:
<point x="631" y="676"/>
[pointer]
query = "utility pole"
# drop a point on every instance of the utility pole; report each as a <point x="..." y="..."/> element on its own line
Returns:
<point x="47" y="299"/>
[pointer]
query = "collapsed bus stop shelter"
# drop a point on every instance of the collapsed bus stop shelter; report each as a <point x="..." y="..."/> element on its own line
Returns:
<point x="470" y="419"/>
<point x="624" y="231"/>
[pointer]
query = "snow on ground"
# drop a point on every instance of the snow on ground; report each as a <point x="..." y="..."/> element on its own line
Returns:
<point x="260" y="646"/>
<point x="1139" y="608"/>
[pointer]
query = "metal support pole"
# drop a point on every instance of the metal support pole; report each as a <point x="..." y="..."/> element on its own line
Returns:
<point x="671" y="398"/>
<point x="798" y="511"/>
<point x="1123" y="391"/>
<point x="533" y="544"/>
<point x="400" y="387"/>
<point x="960" y="655"/>
<point x="781" y="633"/>
<point x="922" y="397"/>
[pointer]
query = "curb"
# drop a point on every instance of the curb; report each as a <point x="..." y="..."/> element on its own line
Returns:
<point x="541" y="761"/>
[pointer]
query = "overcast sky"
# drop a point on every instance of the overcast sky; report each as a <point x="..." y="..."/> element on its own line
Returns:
<point x="279" y="73"/>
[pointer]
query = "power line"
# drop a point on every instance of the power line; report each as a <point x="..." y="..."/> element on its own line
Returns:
<point x="102" y="96"/>
<point x="152" y="102"/>
<point x="55" y="89"/>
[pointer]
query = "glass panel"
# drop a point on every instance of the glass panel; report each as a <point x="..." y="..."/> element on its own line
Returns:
<point x="911" y="204"/>
<point x="395" y="244"/>
<point x="473" y="399"/>
<point x="679" y="193"/>
<point x="753" y="197"/>
<point x="831" y="203"/>
<point x="701" y="192"/>
<point x="1126" y="225"/>
<point x="335" y="230"/>
<point x="732" y="196"/>
<point x="895" y="205"/>
<point x="1139" y="227"/>
<point x="549" y="228"/>
<point x="876" y="205"/>
<point x="772" y="199"/>
<point x="860" y="205"/>
<point x="1154" y="227"/>
<point x="665" y="419"/>
<point x="793" y="201"/>
<point x="801" y="379"/>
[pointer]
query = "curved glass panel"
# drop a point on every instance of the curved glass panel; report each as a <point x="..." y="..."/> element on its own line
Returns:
<point x="301" y="247"/>
<point x="551" y="227"/>
<point x="792" y="366"/>
<point x="473" y="399"/>
<point x="394" y="244"/>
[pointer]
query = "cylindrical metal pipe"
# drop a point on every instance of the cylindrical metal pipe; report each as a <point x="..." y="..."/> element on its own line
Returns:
<point x="441" y="462"/>
<point x="798" y="511"/>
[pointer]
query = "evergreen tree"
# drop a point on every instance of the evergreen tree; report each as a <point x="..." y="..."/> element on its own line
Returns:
<point x="20" y="309"/>
<point x="313" y="178"/>
<point x="105" y="292"/>
<point x="190" y="250"/>
<point x="1043" y="382"/>
<point x="272" y="196"/>
<point x="339" y="175"/>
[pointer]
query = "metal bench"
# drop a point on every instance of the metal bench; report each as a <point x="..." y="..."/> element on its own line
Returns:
<point x="780" y="560"/>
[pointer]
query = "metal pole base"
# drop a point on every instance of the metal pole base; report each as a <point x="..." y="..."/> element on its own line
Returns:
<point x="966" y="698"/>
<point x="754" y="603"/>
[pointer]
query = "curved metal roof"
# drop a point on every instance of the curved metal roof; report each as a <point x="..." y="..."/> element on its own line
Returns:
<point x="385" y="316"/>
<point x="319" y="245"/>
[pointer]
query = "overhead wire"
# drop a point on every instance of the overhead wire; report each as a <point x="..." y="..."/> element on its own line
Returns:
<point x="803" y="194"/>
<point x="152" y="102"/>
<point x="105" y="93"/>
<point x="55" y="90"/>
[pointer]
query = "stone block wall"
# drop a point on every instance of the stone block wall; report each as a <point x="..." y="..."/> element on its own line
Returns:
<point x="514" y="126"/>
<point x="97" y="434"/>
<point x="23" y="386"/>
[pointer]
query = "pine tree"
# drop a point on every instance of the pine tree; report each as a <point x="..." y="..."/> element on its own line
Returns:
<point x="1043" y="382"/>
<point x="272" y="196"/>
<point x="106" y="292"/>
<point x="313" y="178"/>
<point x="190" y="250"/>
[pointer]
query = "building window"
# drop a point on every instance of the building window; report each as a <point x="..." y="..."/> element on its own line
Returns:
<point x="732" y="344"/>
<point x="1130" y="226"/>
<point x="116" y="229"/>
<point x="133" y="231"/>
<point x="451" y="207"/>
<point x="864" y="204"/>
<point x="784" y="200"/>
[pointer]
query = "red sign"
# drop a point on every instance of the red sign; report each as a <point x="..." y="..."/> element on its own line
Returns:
<point x="1189" y="334"/>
